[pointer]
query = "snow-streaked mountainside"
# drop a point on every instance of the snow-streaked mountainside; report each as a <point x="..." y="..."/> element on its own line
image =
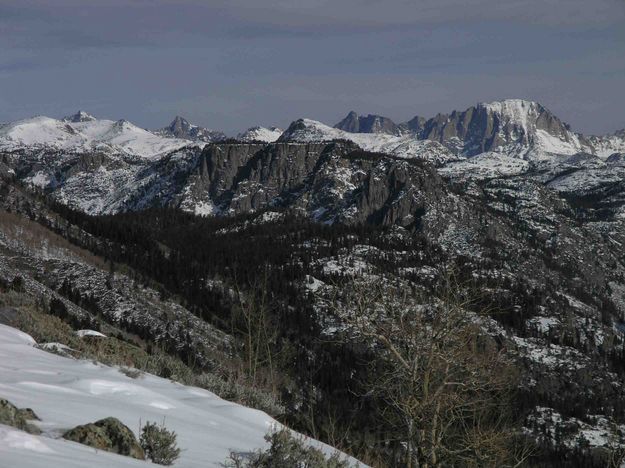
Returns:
<point x="82" y="133"/>
<point x="268" y="135"/>
<point x="607" y="145"/>
<point x="513" y="127"/>
<point x="527" y="129"/>
<point x="65" y="393"/>
<point x="408" y="146"/>
<point x="105" y="166"/>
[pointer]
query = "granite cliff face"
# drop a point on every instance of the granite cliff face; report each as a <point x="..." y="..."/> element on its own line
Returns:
<point x="328" y="181"/>
<point x="508" y="126"/>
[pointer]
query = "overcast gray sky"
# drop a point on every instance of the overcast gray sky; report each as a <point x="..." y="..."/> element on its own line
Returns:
<point x="231" y="64"/>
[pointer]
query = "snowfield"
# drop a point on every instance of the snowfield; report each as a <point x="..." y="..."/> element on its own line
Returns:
<point x="65" y="393"/>
<point x="268" y="135"/>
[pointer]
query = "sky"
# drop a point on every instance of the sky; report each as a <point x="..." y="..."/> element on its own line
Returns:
<point x="232" y="64"/>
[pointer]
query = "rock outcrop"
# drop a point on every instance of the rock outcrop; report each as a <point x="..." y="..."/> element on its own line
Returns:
<point x="19" y="418"/>
<point x="181" y="128"/>
<point x="108" y="434"/>
<point x="367" y="124"/>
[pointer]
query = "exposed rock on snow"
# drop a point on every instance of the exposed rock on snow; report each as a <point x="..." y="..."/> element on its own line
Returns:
<point x="108" y="434"/>
<point x="66" y="393"/>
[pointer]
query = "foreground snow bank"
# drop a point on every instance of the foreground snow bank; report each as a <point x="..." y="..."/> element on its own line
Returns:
<point x="65" y="393"/>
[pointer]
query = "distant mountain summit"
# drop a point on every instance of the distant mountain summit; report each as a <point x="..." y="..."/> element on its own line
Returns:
<point x="372" y="123"/>
<point x="83" y="133"/>
<point x="79" y="116"/>
<point x="512" y="127"/>
<point x="354" y="123"/>
<point x="181" y="128"/>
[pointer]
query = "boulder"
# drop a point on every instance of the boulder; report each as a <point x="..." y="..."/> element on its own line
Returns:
<point x="108" y="434"/>
<point x="15" y="417"/>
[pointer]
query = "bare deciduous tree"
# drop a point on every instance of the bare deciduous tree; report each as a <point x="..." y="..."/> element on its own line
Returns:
<point x="443" y="383"/>
<point x="251" y="319"/>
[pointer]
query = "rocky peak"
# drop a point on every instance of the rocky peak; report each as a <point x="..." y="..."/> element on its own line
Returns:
<point x="351" y="123"/>
<point x="183" y="129"/>
<point x="512" y="126"/>
<point x="180" y="124"/>
<point x="79" y="116"/>
<point x="367" y="124"/>
<point x="302" y="130"/>
<point x="414" y="125"/>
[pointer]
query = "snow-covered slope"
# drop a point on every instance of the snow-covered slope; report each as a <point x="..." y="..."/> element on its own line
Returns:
<point x="528" y="124"/>
<point x="65" y="392"/>
<point x="606" y="145"/>
<point x="85" y="133"/>
<point x="307" y="131"/>
<point x="514" y="127"/>
<point x="268" y="135"/>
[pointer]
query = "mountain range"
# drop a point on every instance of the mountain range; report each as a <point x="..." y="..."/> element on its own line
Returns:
<point x="527" y="212"/>
<point x="106" y="166"/>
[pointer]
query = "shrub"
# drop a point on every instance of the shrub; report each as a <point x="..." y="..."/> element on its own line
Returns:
<point x="159" y="444"/>
<point x="285" y="450"/>
<point x="17" y="284"/>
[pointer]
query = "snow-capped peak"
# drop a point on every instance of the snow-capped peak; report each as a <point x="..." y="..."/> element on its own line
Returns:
<point x="529" y="124"/>
<point x="83" y="132"/>
<point x="80" y="116"/>
<point x="267" y="135"/>
<point x="516" y="111"/>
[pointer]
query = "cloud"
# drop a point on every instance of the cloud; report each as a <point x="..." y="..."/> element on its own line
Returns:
<point x="230" y="64"/>
<point x="110" y="23"/>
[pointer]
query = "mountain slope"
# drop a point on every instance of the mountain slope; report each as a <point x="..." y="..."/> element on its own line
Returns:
<point x="408" y="146"/>
<point x="268" y="135"/>
<point x="65" y="393"/>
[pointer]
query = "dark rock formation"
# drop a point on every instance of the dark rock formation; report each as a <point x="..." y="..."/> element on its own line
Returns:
<point x="367" y="124"/>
